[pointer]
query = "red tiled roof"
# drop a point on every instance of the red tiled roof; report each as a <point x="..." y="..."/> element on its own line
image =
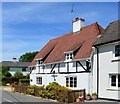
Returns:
<point x="54" y="50"/>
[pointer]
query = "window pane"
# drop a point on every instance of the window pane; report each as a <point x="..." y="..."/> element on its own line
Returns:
<point x="117" y="50"/>
<point x="75" y="82"/>
<point x="113" y="80"/>
<point x="70" y="55"/>
<point x="118" y="80"/>
<point x="71" y="81"/>
<point x="67" y="56"/>
<point x="67" y="82"/>
<point x="23" y="69"/>
<point x="39" y="80"/>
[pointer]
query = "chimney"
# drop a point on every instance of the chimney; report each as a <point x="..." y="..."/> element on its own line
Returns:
<point x="14" y="59"/>
<point x="78" y="23"/>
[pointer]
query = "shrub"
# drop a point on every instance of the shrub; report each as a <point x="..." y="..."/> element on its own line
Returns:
<point x="14" y="84"/>
<point x="94" y="94"/>
<point x="56" y="91"/>
<point x="88" y="94"/>
<point x="18" y="75"/>
<point x="4" y="84"/>
<point x="24" y="81"/>
<point x="30" y="91"/>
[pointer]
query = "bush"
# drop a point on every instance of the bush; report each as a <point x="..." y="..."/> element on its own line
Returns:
<point x="94" y="94"/>
<point x="18" y="75"/>
<point x="56" y="91"/>
<point x="4" y="84"/>
<point x="8" y="74"/>
<point x="24" y="81"/>
<point x="30" y="91"/>
<point x="88" y="94"/>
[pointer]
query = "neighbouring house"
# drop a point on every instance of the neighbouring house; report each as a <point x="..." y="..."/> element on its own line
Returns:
<point x="67" y="59"/>
<point x="14" y="66"/>
<point x="106" y="63"/>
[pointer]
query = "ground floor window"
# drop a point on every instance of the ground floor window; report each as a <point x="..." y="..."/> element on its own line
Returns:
<point x="71" y="81"/>
<point x="114" y="80"/>
<point x="39" y="80"/>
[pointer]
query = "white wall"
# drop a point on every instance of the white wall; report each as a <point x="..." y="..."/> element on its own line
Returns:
<point x="82" y="78"/>
<point x="106" y="67"/>
<point x="12" y="70"/>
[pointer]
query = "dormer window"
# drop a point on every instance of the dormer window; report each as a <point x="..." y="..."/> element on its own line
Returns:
<point x="39" y="61"/>
<point x="69" y="55"/>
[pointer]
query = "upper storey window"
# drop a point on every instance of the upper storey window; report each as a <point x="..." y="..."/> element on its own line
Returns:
<point x="69" y="55"/>
<point x="39" y="61"/>
<point x="117" y="50"/>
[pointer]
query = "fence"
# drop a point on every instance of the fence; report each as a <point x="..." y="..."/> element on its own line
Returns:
<point x="74" y="94"/>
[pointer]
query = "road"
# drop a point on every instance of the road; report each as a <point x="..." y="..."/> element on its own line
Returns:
<point x="16" y="98"/>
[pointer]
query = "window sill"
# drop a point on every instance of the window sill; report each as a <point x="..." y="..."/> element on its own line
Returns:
<point x="68" y="60"/>
<point x="115" y="59"/>
<point x="113" y="89"/>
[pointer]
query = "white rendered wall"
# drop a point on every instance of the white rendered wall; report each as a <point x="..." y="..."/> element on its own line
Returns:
<point x="13" y="70"/>
<point x="82" y="78"/>
<point x="106" y="67"/>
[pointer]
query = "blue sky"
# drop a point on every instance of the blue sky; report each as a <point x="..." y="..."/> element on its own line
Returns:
<point x="27" y="27"/>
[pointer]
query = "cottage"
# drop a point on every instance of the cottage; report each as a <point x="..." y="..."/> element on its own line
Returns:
<point x="68" y="59"/>
<point x="14" y="66"/>
<point x="106" y="61"/>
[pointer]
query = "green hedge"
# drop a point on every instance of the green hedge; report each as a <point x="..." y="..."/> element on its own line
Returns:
<point x="27" y="81"/>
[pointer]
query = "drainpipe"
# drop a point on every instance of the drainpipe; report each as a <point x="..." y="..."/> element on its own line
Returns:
<point x="97" y="71"/>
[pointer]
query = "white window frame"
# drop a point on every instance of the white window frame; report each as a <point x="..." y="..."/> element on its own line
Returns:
<point x="110" y="77"/>
<point x="113" y="52"/>
<point x="115" y="49"/>
<point x="73" y="81"/>
<point x="69" y="55"/>
<point x="39" y="61"/>
<point x="39" y="80"/>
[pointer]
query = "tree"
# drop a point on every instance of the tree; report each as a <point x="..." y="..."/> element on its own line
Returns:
<point x="27" y="57"/>
<point x="5" y="72"/>
<point x="18" y="75"/>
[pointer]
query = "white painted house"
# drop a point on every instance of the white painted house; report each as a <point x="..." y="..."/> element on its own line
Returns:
<point x="67" y="59"/>
<point x="14" y="66"/>
<point x="71" y="61"/>
<point x="106" y="61"/>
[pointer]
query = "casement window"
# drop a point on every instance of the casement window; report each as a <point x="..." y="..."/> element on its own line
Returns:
<point x="69" y="55"/>
<point x="117" y="50"/>
<point x="38" y="80"/>
<point x="118" y="80"/>
<point x="71" y="81"/>
<point x="114" y="80"/>
<point x="24" y="69"/>
<point x="39" y="61"/>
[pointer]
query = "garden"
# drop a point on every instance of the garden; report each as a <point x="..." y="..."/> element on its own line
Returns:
<point x="52" y="91"/>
